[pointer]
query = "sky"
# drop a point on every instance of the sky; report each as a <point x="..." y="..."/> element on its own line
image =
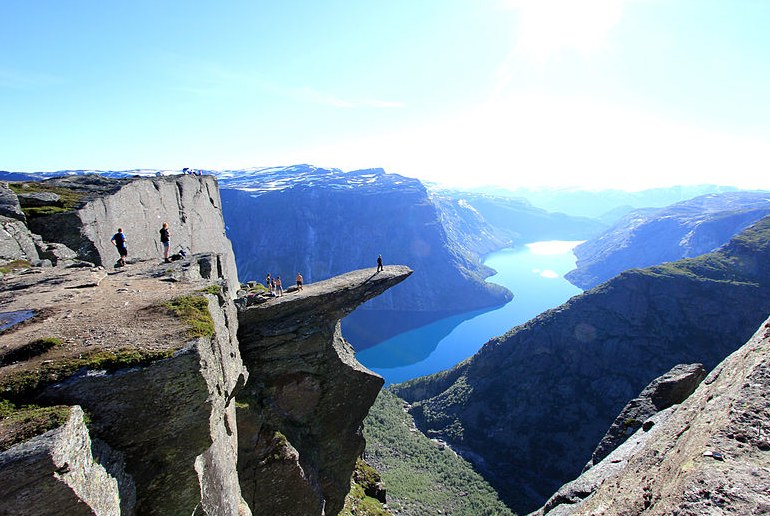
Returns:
<point x="597" y="94"/>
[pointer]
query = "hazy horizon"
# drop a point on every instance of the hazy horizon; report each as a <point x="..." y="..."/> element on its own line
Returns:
<point x="598" y="94"/>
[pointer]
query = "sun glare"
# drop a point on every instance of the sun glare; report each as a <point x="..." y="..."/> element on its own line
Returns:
<point x="547" y="27"/>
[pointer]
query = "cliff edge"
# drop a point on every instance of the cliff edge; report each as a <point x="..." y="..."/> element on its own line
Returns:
<point x="147" y="389"/>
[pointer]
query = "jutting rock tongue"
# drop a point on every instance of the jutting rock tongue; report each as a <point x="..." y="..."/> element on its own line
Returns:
<point x="307" y="395"/>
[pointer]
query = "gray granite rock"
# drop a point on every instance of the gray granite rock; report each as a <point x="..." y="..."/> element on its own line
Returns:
<point x="306" y="394"/>
<point x="9" y="204"/>
<point x="708" y="455"/>
<point x="56" y="473"/>
<point x="667" y="390"/>
<point x="16" y="241"/>
<point x="37" y="199"/>
<point x="190" y="204"/>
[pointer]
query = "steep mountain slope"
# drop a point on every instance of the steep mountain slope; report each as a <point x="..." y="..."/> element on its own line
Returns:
<point x="422" y="476"/>
<point x="708" y="455"/>
<point x="529" y="408"/>
<point x="683" y="230"/>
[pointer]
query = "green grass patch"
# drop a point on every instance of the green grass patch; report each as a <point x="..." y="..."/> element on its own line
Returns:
<point x="212" y="289"/>
<point x="15" y="265"/>
<point x="194" y="311"/>
<point x="70" y="199"/>
<point x="21" y="385"/>
<point x="22" y="423"/>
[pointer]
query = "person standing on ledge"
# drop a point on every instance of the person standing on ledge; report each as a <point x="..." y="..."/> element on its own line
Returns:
<point x="379" y="263"/>
<point x="165" y="240"/>
<point x="119" y="240"/>
<point x="299" y="281"/>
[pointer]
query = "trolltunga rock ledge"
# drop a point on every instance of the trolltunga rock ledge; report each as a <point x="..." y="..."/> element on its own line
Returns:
<point x="307" y="396"/>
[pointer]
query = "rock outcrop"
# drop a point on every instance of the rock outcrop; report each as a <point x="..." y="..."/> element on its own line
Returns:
<point x="530" y="406"/>
<point x="709" y="455"/>
<point x="57" y="473"/>
<point x="178" y="423"/>
<point x="190" y="204"/>
<point x="308" y="395"/>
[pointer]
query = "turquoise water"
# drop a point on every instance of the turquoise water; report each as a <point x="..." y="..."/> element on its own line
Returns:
<point x="535" y="275"/>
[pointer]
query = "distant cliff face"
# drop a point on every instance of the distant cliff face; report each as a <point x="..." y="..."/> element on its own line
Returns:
<point x="650" y="237"/>
<point x="531" y="405"/>
<point x="520" y="222"/>
<point x="324" y="222"/>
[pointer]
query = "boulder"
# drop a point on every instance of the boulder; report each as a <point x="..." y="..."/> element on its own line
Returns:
<point x="9" y="204"/>
<point x="37" y="199"/>
<point x="667" y="390"/>
<point x="16" y="242"/>
<point x="61" y="474"/>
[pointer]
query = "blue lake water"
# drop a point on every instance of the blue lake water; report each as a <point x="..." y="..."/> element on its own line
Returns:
<point x="535" y="275"/>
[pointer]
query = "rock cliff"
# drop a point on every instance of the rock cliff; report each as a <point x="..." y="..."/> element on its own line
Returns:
<point x="708" y="455"/>
<point x="192" y="404"/>
<point x="97" y="206"/>
<point x="529" y="408"/>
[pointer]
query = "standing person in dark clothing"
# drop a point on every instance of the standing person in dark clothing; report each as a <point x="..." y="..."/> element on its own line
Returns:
<point x="379" y="263"/>
<point x="119" y="240"/>
<point x="165" y="239"/>
<point x="299" y="281"/>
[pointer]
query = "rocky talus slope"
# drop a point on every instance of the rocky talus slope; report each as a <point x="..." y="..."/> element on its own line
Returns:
<point x="708" y="455"/>
<point x="530" y="406"/>
<point x="128" y="390"/>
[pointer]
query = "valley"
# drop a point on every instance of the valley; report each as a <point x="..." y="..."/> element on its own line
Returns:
<point x="503" y="366"/>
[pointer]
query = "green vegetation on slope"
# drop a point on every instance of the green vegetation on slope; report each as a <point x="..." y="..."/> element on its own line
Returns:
<point x="358" y="502"/>
<point x="420" y="476"/>
<point x="18" y="424"/>
<point x="69" y="198"/>
<point x="22" y="384"/>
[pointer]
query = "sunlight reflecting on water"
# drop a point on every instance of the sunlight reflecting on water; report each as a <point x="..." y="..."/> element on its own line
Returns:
<point x="553" y="246"/>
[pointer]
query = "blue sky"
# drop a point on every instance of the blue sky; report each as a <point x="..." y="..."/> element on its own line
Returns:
<point x="594" y="93"/>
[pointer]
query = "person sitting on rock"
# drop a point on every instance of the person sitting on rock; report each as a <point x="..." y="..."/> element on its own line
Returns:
<point x="119" y="240"/>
